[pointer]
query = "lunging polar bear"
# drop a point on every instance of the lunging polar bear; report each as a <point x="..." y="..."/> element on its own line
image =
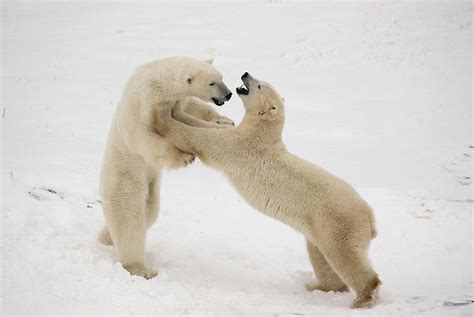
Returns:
<point x="135" y="152"/>
<point x="337" y="223"/>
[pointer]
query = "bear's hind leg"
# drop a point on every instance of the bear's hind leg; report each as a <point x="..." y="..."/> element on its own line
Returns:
<point x="328" y="280"/>
<point x="351" y="263"/>
<point x="153" y="200"/>
<point x="125" y="213"/>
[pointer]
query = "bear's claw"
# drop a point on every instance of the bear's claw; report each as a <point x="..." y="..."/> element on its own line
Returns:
<point x="140" y="270"/>
<point x="224" y="121"/>
<point x="189" y="160"/>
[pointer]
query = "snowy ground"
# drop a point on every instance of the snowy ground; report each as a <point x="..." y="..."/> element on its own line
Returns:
<point x="379" y="94"/>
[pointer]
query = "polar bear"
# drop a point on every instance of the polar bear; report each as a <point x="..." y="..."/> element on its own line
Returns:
<point x="337" y="223"/>
<point x="135" y="153"/>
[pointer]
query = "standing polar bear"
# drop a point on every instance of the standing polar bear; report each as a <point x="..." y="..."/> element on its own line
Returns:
<point x="337" y="223"/>
<point x="135" y="153"/>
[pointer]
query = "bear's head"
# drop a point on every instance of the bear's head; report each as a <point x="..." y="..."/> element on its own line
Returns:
<point x="204" y="81"/>
<point x="178" y="77"/>
<point x="261" y="99"/>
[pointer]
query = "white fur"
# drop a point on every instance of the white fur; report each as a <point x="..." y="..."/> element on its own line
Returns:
<point x="337" y="223"/>
<point x="135" y="153"/>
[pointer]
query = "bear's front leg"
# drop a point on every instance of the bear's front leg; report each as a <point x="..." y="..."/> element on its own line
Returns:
<point x="201" y="110"/>
<point x="156" y="149"/>
<point x="124" y="199"/>
<point x="223" y="120"/>
<point x="196" y="139"/>
<point x="175" y="158"/>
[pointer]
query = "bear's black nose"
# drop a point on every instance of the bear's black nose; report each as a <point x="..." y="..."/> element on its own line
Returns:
<point x="228" y="96"/>
<point x="245" y="75"/>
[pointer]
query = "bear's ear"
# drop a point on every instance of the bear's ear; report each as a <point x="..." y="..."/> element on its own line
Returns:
<point x="189" y="78"/>
<point x="209" y="60"/>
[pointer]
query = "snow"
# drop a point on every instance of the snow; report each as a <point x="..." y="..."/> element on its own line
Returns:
<point x="379" y="94"/>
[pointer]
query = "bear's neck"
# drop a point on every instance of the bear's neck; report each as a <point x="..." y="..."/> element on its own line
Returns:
<point x="269" y="132"/>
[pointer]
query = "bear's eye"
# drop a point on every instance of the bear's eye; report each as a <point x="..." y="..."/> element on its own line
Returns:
<point x="258" y="87"/>
<point x="212" y="84"/>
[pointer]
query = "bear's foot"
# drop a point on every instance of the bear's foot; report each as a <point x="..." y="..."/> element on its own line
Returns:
<point x="140" y="270"/>
<point x="188" y="159"/>
<point x="367" y="298"/>
<point x="179" y="159"/>
<point x="326" y="288"/>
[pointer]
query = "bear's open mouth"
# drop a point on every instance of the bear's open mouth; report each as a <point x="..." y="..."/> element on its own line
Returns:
<point x="243" y="90"/>
<point x="218" y="102"/>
